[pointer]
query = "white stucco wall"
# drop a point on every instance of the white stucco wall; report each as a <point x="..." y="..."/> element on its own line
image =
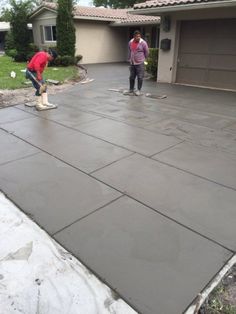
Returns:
<point x="97" y="42"/>
<point x="167" y="62"/>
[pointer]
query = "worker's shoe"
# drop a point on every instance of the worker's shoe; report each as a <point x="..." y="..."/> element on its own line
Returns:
<point x="46" y="103"/>
<point x="31" y="104"/>
<point x="137" y="93"/>
<point x="129" y="92"/>
<point x="39" y="106"/>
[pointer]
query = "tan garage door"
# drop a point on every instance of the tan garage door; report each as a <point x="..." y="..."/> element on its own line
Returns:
<point x="207" y="53"/>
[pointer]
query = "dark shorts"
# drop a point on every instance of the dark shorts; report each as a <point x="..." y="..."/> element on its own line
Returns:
<point x="137" y="70"/>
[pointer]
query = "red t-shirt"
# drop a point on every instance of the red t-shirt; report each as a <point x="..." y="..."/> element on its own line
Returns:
<point x="134" y="45"/>
<point x="38" y="63"/>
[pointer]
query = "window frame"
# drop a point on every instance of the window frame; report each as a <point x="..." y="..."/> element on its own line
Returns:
<point x="51" y="30"/>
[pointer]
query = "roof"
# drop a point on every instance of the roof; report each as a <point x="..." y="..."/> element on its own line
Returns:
<point x="4" y="26"/>
<point x="118" y="16"/>
<point x="169" y="3"/>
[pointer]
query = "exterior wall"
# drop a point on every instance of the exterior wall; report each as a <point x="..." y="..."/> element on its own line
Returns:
<point x="167" y="63"/>
<point x="45" y="19"/>
<point x="97" y="42"/>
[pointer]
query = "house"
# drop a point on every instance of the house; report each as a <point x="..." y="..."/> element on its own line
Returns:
<point x="4" y="28"/>
<point x="197" y="41"/>
<point x="101" y="34"/>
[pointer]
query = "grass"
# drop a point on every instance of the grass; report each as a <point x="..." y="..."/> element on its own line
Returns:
<point x="7" y="65"/>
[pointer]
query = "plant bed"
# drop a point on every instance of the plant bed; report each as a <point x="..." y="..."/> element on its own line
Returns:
<point x="222" y="300"/>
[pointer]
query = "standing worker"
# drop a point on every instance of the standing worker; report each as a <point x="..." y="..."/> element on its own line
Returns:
<point x="138" y="52"/>
<point x="34" y="72"/>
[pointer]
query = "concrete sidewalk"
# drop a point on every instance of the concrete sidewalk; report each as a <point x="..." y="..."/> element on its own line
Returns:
<point x="142" y="191"/>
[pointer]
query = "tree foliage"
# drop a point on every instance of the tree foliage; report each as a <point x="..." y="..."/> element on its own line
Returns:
<point x="19" y="13"/>
<point x="115" y="4"/>
<point x="65" y="28"/>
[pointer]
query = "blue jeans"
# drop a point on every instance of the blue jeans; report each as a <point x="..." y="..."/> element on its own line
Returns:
<point x="32" y="75"/>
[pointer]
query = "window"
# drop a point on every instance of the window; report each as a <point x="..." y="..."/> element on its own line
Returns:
<point x="50" y="33"/>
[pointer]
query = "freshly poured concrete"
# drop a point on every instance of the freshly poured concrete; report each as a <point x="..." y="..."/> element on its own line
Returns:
<point x="12" y="114"/>
<point x="167" y="244"/>
<point x="132" y="138"/>
<point x="213" y="138"/>
<point x="13" y="148"/>
<point x="79" y="150"/>
<point x="190" y="200"/>
<point x="51" y="192"/>
<point x="199" y="160"/>
<point x="145" y="256"/>
<point x="63" y="115"/>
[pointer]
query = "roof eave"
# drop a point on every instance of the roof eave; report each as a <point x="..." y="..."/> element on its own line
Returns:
<point x="183" y="7"/>
<point x="93" y="18"/>
<point x="40" y="10"/>
<point x="122" y="24"/>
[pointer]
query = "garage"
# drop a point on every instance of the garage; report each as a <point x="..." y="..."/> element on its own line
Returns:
<point x="207" y="53"/>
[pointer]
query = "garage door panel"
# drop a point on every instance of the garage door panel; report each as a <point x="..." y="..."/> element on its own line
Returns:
<point x="196" y="28"/>
<point x="195" y="45"/>
<point x="191" y="76"/>
<point x="222" y="79"/>
<point x="207" y="53"/>
<point x="193" y="60"/>
<point x="223" y="46"/>
<point x="222" y="63"/>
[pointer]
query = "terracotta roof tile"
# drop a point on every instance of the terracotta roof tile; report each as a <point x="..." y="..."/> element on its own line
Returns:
<point x="117" y="15"/>
<point x="165" y="3"/>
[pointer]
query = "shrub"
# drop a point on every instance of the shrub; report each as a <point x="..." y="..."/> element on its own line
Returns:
<point x="78" y="58"/>
<point x="9" y="41"/>
<point x="11" y="53"/>
<point x="152" y="60"/>
<point x="67" y="60"/>
<point x="31" y="51"/>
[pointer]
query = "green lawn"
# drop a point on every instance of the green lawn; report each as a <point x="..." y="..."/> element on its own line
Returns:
<point x="7" y="65"/>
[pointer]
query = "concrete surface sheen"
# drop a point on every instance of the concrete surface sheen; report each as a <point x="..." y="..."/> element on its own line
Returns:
<point x="51" y="192"/>
<point x="223" y="140"/>
<point x="150" y="260"/>
<point x="12" y="114"/>
<point x="192" y="201"/>
<point x="156" y="256"/>
<point x="13" y="148"/>
<point x="199" y="160"/>
<point x="63" y="115"/>
<point x="79" y="150"/>
<point x="135" y="139"/>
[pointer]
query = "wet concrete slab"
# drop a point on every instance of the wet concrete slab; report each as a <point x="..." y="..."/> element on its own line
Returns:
<point x="231" y="128"/>
<point x="51" y="192"/>
<point x="79" y="150"/>
<point x="150" y="260"/>
<point x="13" y="148"/>
<point x="133" y="247"/>
<point x="130" y="137"/>
<point x="206" y="207"/>
<point x="12" y="114"/>
<point x="63" y="115"/>
<point x="221" y="140"/>
<point x="216" y="165"/>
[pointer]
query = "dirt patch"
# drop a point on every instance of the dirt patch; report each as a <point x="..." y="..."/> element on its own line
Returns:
<point x="26" y="95"/>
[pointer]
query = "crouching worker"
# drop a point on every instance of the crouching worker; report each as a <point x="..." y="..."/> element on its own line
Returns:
<point x="34" y="73"/>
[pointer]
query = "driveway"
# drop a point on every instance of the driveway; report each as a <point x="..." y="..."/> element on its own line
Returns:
<point x="141" y="190"/>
